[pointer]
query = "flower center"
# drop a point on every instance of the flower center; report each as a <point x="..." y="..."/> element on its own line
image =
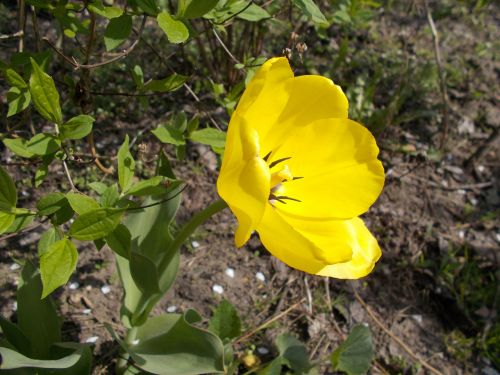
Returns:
<point x="278" y="178"/>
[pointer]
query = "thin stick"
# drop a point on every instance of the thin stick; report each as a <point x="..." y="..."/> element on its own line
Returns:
<point x="442" y="79"/>
<point x="309" y="296"/>
<point x="268" y="322"/>
<point x="393" y="336"/>
<point x="17" y="34"/>
<point x="225" y="48"/>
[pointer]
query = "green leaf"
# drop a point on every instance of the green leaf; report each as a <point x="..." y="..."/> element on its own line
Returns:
<point x="110" y="196"/>
<point x="18" y="147"/>
<point x="18" y="100"/>
<point x="354" y="355"/>
<point x="153" y="186"/>
<point x="189" y="9"/>
<point x="48" y="238"/>
<point x="37" y="318"/>
<point x="8" y="192"/>
<point x="95" y="224"/>
<point x="225" y="322"/>
<point x="98" y="187"/>
<point x="117" y="31"/>
<point x="311" y="10"/>
<point x="15" y="336"/>
<point x="105" y="11"/>
<point x="168" y="134"/>
<point x="44" y="94"/>
<point x="209" y="136"/>
<point x="148" y="6"/>
<point x="77" y="127"/>
<point x="6" y="220"/>
<point x="144" y="273"/>
<point x="13" y="360"/>
<point x="175" y="30"/>
<point x="43" y="170"/>
<point x="254" y="13"/>
<point x="57" y="264"/>
<point x="14" y="79"/>
<point x="43" y="144"/>
<point x="294" y="353"/>
<point x="81" y="203"/>
<point x="20" y="222"/>
<point x="138" y="76"/>
<point x="126" y="165"/>
<point x="171" y="83"/>
<point x="120" y="241"/>
<point x="171" y="342"/>
<point x="151" y="237"/>
<point x="51" y="203"/>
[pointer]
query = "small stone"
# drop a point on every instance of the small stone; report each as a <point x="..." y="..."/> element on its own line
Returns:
<point x="73" y="286"/>
<point x="86" y="311"/>
<point x="195" y="244"/>
<point x="418" y="318"/>
<point x="218" y="289"/>
<point x="14" y="266"/>
<point x="260" y="276"/>
<point x="262" y="350"/>
<point x="105" y="289"/>
<point x="92" y="340"/>
<point x="172" y="309"/>
<point x="497" y="236"/>
<point x="14" y="306"/>
<point x="481" y="168"/>
<point x="461" y="234"/>
<point x="229" y="272"/>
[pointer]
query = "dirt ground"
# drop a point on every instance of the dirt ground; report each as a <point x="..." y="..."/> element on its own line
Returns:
<point x="436" y="221"/>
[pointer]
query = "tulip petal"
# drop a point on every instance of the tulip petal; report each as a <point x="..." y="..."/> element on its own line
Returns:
<point x="366" y="252"/>
<point x="245" y="185"/>
<point x="304" y="251"/>
<point x="346" y="247"/>
<point x="337" y="160"/>
<point x="311" y="98"/>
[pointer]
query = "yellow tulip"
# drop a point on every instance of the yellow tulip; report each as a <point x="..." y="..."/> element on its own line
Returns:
<point x="299" y="172"/>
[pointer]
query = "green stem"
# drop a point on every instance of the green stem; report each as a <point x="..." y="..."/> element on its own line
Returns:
<point x="188" y="228"/>
<point x="122" y="363"/>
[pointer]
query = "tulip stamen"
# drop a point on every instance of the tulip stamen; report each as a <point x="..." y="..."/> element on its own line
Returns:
<point x="267" y="156"/>
<point x="297" y="178"/>
<point x="276" y="162"/>
<point x="281" y="198"/>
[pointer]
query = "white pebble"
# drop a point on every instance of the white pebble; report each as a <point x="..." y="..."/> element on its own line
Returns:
<point x="260" y="276"/>
<point x="218" y="289"/>
<point x="105" y="289"/>
<point x="88" y="288"/>
<point x="92" y="340"/>
<point x="418" y="318"/>
<point x="262" y="350"/>
<point x="481" y="168"/>
<point x="230" y="272"/>
<point x="14" y="266"/>
<point x="135" y="342"/>
<point x="73" y="286"/>
<point x="473" y="201"/>
<point x="461" y="234"/>
<point x="86" y="311"/>
<point x="14" y="306"/>
<point x="461" y="191"/>
<point x="497" y="236"/>
<point x="172" y="309"/>
<point x="195" y="244"/>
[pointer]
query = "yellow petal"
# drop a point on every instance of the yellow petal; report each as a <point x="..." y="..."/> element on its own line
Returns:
<point x="286" y="244"/>
<point x="337" y="160"/>
<point x="336" y="248"/>
<point x="366" y="252"/>
<point x="244" y="185"/>
<point x="311" y="98"/>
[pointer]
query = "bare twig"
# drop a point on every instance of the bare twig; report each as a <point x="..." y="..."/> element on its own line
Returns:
<point x="309" y="296"/>
<point x="252" y="332"/>
<point x="121" y="55"/>
<point x="393" y="336"/>
<point x="225" y="48"/>
<point x="17" y="34"/>
<point x="34" y="21"/>
<point x="442" y="78"/>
